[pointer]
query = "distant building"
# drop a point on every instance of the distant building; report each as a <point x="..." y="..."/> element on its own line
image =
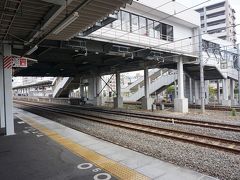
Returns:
<point x="29" y="80"/>
<point x="125" y="78"/>
<point x="33" y="80"/>
<point x="22" y="81"/>
<point x="217" y="19"/>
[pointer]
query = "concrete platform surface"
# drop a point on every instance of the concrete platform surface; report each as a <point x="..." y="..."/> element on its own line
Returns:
<point x="31" y="155"/>
<point x="105" y="157"/>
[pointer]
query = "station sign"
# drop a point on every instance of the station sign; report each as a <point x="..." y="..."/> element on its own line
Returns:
<point x="19" y="62"/>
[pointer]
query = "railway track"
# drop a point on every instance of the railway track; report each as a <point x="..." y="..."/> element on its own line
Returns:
<point x="202" y="140"/>
<point x="211" y="107"/>
<point x="205" y="124"/>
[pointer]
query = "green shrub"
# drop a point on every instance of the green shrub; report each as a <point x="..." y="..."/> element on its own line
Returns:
<point x="233" y="112"/>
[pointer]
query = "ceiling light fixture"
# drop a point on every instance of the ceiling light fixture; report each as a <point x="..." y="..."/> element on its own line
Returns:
<point x="70" y="19"/>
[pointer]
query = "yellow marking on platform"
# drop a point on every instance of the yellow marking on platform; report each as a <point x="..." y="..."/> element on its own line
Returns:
<point x="111" y="166"/>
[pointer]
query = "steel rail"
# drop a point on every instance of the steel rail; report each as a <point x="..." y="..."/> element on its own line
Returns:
<point x="202" y="140"/>
<point x="184" y="121"/>
<point x="206" y="124"/>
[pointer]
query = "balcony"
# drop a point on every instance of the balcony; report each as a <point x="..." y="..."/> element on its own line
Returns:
<point x="135" y="39"/>
<point x="216" y="18"/>
<point x="201" y="13"/>
<point x="222" y="25"/>
<point x="219" y="34"/>
<point x="202" y="22"/>
<point x="215" y="10"/>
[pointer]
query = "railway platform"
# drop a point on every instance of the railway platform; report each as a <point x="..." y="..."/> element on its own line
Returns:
<point x="43" y="149"/>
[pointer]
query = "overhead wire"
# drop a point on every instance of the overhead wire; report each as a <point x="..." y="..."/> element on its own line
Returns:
<point x="177" y="55"/>
<point x="206" y="40"/>
<point x="171" y="15"/>
<point x="159" y="45"/>
<point x="188" y="37"/>
<point x="145" y="12"/>
<point x="180" y="54"/>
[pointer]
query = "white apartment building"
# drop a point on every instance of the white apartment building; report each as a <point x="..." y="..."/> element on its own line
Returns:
<point x="218" y="19"/>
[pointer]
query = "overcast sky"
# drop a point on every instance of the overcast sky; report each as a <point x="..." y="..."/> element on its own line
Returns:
<point x="234" y="3"/>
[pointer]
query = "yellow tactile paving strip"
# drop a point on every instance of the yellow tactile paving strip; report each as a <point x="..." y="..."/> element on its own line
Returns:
<point x="114" y="168"/>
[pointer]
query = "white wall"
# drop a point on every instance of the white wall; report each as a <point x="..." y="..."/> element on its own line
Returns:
<point x="189" y="16"/>
<point x="182" y="28"/>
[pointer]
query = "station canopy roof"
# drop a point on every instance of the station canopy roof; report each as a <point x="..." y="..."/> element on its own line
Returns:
<point x="32" y="21"/>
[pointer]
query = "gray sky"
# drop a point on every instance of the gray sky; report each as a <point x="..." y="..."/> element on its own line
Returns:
<point x="234" y="3"/>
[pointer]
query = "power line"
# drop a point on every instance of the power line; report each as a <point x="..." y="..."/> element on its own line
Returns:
<point x="177" y="55"/>
<point x="205" y="40"/>
<point x="167" y="18"/>
<point x="172" y="15"/>
<point x="145" y="12"/>
<point x="189" y="37"/>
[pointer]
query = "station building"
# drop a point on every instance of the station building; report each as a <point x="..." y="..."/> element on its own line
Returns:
<point x="139" y="37"/>
<point x="149" y="38"/>
<point x="136" y="37"/>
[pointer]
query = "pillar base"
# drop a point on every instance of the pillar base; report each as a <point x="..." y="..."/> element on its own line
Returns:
<point x="181" y="105"/>
<point x="226" y="102"/>
<point x="97" y="101"/>
<point x="206" y="101"/>
<point x="118" y="102"/>
<point x="234" y="102"/>
<point x="147" y="103"/>
<point x="197" y="102"/>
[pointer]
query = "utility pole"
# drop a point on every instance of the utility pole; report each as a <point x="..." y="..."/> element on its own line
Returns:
<point x="202" y="84"/>
<point x="238" y="58"/>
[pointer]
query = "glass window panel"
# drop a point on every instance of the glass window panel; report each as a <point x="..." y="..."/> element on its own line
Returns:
<point x="157" y="29"/>
<point x="135" y="23"/>
<point x="150" y="28"/>
<point x="117" y="23"/>
<point x="169" y="33"/>
<point x="164" y="32"/>
<point x="143" y="26"/>
<point x="125" y="21"/>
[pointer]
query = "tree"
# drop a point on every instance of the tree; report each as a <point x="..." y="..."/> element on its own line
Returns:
<point x="170" y="89"/>
<point x="212" y="91"/>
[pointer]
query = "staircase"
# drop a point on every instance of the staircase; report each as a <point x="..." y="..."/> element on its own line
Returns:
<point x="63" y="85"/>
<point x="153" y="74"/>
<point x="225" y="63"/>
<point x="159" y="84"/>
